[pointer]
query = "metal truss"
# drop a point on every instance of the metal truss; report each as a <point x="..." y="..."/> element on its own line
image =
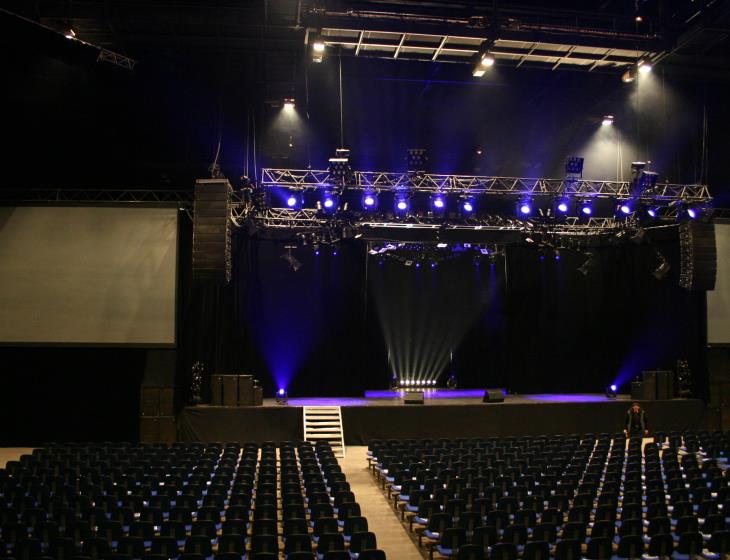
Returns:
<point x="473" y="184"/>
<point x="105" y="55"/>
<point x="147" y="197"/>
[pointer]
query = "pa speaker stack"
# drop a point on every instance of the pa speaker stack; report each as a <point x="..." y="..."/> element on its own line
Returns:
<point x="698" y="256"/>
<point x="212" y="231"/>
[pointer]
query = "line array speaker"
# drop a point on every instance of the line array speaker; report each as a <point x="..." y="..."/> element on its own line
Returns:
<point x="212" y="231"/>
<point x="698" y="256"/>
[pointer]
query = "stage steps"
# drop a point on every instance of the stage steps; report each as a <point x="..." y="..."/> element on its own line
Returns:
<point x="325" y="423"/>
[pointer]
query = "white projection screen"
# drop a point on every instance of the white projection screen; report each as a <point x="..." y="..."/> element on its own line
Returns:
<point x="88" y="275"/>
<point x="718" y="300"/>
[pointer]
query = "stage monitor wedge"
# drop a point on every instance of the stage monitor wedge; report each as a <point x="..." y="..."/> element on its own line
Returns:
<point x="494" y="395"/>
<point x="212" y="231"/>
<point x="413" y="397"/>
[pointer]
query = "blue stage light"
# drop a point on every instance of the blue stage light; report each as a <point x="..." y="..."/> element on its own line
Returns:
<point x="692" y="213"/>
<point x="467" y="205"/>
<point x="328" y="202"/>
<point x="525" y="208"/>
<point x="613" y="387"/>
<point x="369" y="201"/>
<point x="438" y="202"/>
<point x="625" y="208"/>
<point x="401" y="204"/>
<point x="651" y="212"/>
<point x="563" y="207"/>
<point x="586" y="209"/>
<point x="291" y="202"/>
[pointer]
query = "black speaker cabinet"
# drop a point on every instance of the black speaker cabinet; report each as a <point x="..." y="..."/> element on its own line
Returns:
<point x="664" y="385"/>
<point x="156" y="401"/>
<point x="224" y="390"/>
<point x="245" y="390"/>
<point x="413" y="397"/>
<point x="493" y="395"/>
<point x="637" y="391"/>
<point x="258" y="395"/>
<point x="157" y="429"/>
<point x="649" y="378"/>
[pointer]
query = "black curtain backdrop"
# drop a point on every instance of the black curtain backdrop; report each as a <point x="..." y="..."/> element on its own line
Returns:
<point x="527" y="324"/>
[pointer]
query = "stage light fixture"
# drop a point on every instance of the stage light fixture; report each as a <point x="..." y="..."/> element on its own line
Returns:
<point x="281" y="396"/>
<point x="69" y="32"/>
<point x="586" y="268"/>
<point x="294" y="200"/>
<point x="562" y="205"/>
<point x="629" y="76"/>
<point x="289" y="104"/>
<point x="586" y="209"/>
<point x="661" y="271"/>
<point x="438" y="202"/>
<point x="574" y="165"/>
<point x="692" y="213"/>
<point x="644" y="67"/>
<point x="329" y="203"/>
<point x="607" y="120"/>
<point x="369" y="200"/>
<point x="524" y="208"/>
<point x="339" y="168"/>
<point x="467" y="205"/>
<point x="611" y="392"/>
<point x="487" y="60"/>
<point x="417" y="160"/>
<point x="651" y="212"/>
<point x="401" y="204"/>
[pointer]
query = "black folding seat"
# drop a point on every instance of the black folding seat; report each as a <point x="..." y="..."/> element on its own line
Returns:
<point x="264" y="527"/>
<point x="536" y="550"/>
<point x="297" y="543"/>
<point x="503" y="551"/>
<point x="515" y="534"/>
<point x="131" y="546"/>
<point x="329" y="542"/>
<point x="599" y="549"/>
<point x="687" y="524"/>
<point x="485" y="536"/>
<point x="661" y="545"/>
<point x="606" y="529"/>
<point x="719" y="544"/>
<point x="27" y="549"/>
<point x="232" y="544"/>
<point x="144" y="530"/>
<point x="690" y="543"/>
<point x="630" y="546"/>
<point x="167" y="546"/>
<point x="198" y="544"/>
<point x="452" y="539"/>
<point x="264" y="544"/>
<point x="568" y="549"/>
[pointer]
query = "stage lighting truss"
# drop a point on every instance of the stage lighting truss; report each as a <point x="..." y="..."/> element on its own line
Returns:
<point x="429" y="255"/>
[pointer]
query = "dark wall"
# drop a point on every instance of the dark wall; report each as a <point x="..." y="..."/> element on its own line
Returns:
<point x="61" y="394"/>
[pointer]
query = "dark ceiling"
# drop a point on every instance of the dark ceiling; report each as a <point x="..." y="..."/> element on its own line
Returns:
<point x="690" y="38"/>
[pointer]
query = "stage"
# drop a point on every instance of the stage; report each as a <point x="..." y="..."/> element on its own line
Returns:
<point x="459" y="413"/>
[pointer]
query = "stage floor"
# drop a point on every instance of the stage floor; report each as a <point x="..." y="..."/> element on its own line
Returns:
<point x="444" y="397"/>
<point x="465" y="416"/>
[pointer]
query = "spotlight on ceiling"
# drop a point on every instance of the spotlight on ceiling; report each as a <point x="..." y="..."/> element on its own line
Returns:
<point x="629" y="76"/>
<point x="661" y="271"/>
<point x="467" y="205"/>
<point x="481" y="62"/>
<point x="586" y="209"/>
<point x="69" y="32"/>
<point x="625" y="207"/>
<point x="289" y="104"/>
<point x="401" y="204"/>
<point x="692" y="213"/>
<point x="644" y="67"/>
<point x="369" y="200"/>
<point x="607" y="120"/>
<point x="318" y="47"/>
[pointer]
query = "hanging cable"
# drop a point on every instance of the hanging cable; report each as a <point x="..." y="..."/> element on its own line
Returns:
<point x="255" y="163"/>
<point x="342" y="133"/>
